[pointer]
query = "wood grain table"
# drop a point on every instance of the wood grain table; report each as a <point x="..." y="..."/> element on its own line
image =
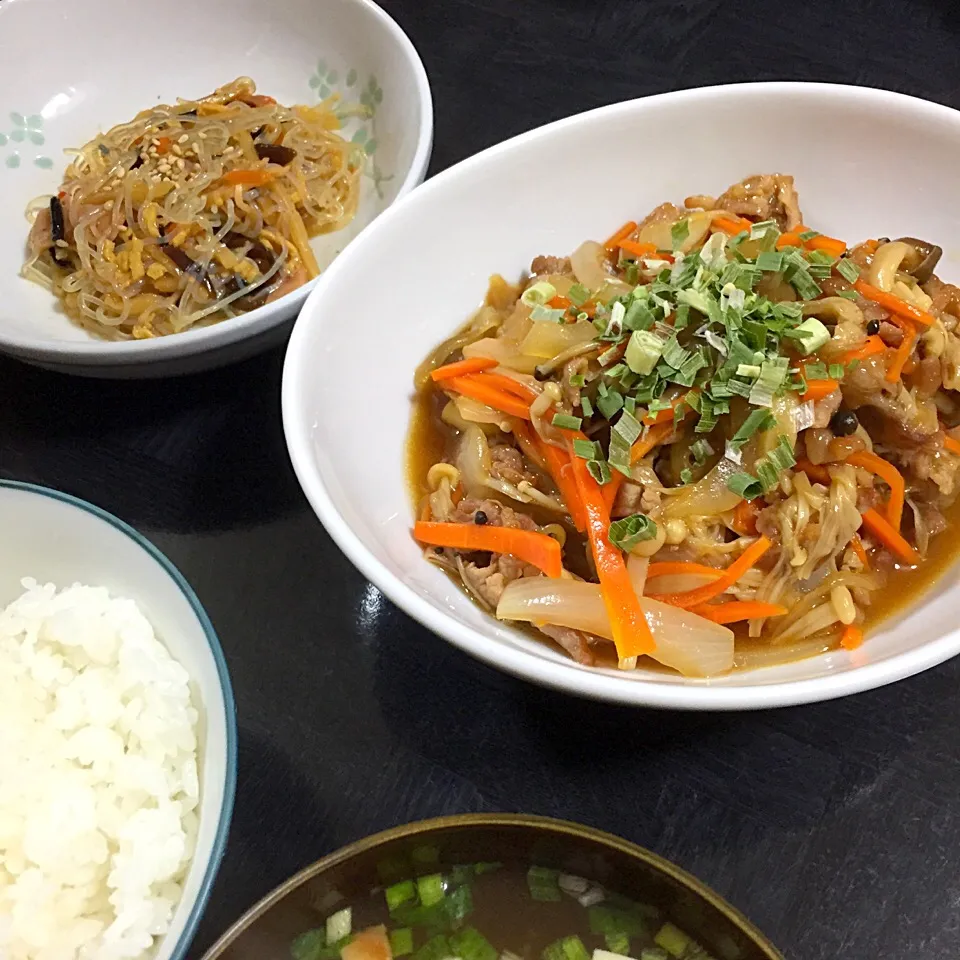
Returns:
<point x="836" y="828"/>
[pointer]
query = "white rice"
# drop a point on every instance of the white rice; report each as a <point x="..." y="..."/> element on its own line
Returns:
<point x="98" y="777"/>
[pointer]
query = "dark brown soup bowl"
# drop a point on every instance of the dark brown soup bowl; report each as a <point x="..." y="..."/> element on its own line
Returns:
<point x="266" y="931"/>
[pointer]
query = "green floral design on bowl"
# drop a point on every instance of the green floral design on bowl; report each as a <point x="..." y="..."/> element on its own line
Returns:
<point x="23" y="130"/>
<point x="327" y="81"/>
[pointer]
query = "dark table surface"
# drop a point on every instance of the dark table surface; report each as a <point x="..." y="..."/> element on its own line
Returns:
<point x="836" y="828"/>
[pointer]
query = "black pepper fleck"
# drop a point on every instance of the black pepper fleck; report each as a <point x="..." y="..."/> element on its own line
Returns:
<point x="479" y="518"/>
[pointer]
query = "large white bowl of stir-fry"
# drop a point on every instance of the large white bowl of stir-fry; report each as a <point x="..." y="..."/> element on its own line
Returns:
<point x="171" y="216"/>
<point x="673" y="420"/>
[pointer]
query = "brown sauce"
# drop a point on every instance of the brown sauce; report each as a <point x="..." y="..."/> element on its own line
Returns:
<point x="428" y="441"/>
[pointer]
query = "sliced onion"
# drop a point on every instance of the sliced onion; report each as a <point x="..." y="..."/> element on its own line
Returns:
<point x="505" y="352"/>
<point x="755" y="656"/>
<point x="685" y="641"/>
<point x="473" y="462"/>
<point x="587" y="263"/>
<point x="707" y="497"/>
<point x="473" y="411"/>
<point x="546" y="339"/>
<point x="678" y="582"/>
<point x="660" y="232"/>
<point x="637" y="568"/>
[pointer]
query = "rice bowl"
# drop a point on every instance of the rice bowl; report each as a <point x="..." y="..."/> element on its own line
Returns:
<point x="187" y="765"/>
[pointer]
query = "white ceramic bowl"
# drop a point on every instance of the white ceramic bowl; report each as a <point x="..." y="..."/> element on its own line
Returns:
<point x="59" y="539"/>
<point x="70" y="69"/>
<point x="867" y="163"/>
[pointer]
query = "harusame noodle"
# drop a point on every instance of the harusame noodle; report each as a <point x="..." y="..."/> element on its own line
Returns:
<point x="193" y="213"/>
<point x="730" y="428"/>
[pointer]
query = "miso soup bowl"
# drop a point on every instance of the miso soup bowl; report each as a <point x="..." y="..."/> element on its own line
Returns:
<point x="305" y="900"/>
<point x="347" y="387"/>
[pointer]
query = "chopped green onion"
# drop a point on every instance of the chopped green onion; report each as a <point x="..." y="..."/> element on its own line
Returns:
<point x="540" y="292"/>
<point x="578" y="294"/>
<point x="339" y="925"/>
<point x="767" y="474"/>
<point x="701" y="449"/>
<point x="600" y="471"/>
<point x="540" y="312"/>
<point x="643" y="351"/>
<point x="673" y="354"/>
<point x="627" y="532"/>
<point x="587" y="449"/>
<point x="617" y="943"/>
<point x="748" y="370"/>
<point x="430" y="889"/>
<point x="806" y="287"/>
<point x="812" y="335"/>
<point x="628" y="428"/>
<point x="566" y="422"/>
<point x="836" y="371"/>
<point x="610" y="921"/>
<point x="436" y="948"/>
<point x="459" y="904"/>
<point x="401" y="941"/>
<point x="770" y="261"/>
<point x="309" y="945"/>
<point x="653" y="953"/>
<point x="617" y="371"/>
<point x="846" y="294"/>
<point x="679" y="233"/>
<point x="848" y="269"/>
<point x="816" y="371"/>
<point x="608" y="356"/>
<point x="543" y="885"/>
<point x="631" y="273"/>
<point x="772" y="374"/>
<point x="681" y="317"/>
<point x="638" y="316"/>
<point x="744" y="485"/>
<point x="822" y="258"/>
<point x="686" y="475"/>
<point x="470" y="944"/>
<point x="609" y="404"/>
<point x="673" y="940"/>
<point x="695" y="299"/>
<point x="577" y="380"/>
<point x="569" y="948"/>
<point x="808" y="235"/>
<point x="761" y="230"/>
<point x="586" y="406"/>
<point x="399" y="893"/>
<point x="782" y="456"/>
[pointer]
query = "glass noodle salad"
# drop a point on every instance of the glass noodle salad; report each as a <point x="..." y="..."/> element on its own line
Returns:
<point x="710" y="440"/>
<point x="194" y="213"/>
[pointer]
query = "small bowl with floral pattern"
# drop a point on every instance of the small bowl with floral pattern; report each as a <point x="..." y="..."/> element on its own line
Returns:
<point x="94" y="73"/>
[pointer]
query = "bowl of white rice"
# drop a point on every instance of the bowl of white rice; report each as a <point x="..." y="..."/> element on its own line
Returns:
<point x="118" y="742"/>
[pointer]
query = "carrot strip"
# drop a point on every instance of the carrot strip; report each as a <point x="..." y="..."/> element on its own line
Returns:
<point x="163" y="145"/>
<point x="901" y="356"/>
<point x="872" y="346"/>
<point x="731" y="224"/>
<point x="836" y="248"/>
<point x="952" y="445"/>
<point x="537" y="549"/>
<point x="681" y="568"/>
<point x="501" y="381"/>
<point x="655" y="436"/>
<point x="461" y="367"/>
<point x="613" y="241"/>
<point x="559" y="468"/>
<point x="789" y="240"/>
<point x="637" y="249"/>
<point x="890" y="475"/>
<point x="560" y="303"/>
<point x="734" y="610"/>
<point x="631" y="633"/>
<point x="746" y="560"/>
<point x="744" y="518"/>
<point x="871" y="245"/>
<point x="889" y="537"/>
<point x="859" y="550"/>
<point x="851" y="638"/>
<point x="369" y="944"/>
<point x="894" y="304"/>
<point x="484" y="393"/>
<point x="814" y="471"/>
<point x="818" y="389"/>
<point x="248" y="178"/>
